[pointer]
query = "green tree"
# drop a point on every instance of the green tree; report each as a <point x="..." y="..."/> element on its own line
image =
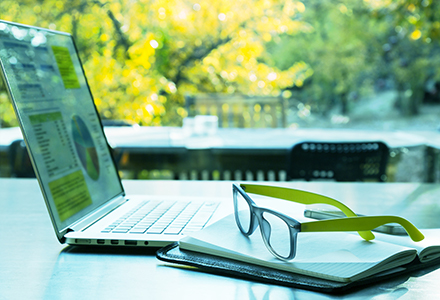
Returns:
<point x="142" y="57"/>
<point x="412" y="48"/>
<point x="341" y="49"/>
<point x="354" y="44"/>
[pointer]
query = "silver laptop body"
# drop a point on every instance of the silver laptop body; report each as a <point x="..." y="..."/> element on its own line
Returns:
<point x="70" y="154"/>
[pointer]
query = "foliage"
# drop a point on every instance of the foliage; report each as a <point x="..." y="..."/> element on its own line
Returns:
<point x="142" y="57"/>
<point x="357" y="47"/>
<point x="412" y="49"/>
<point x="336" y="49"/>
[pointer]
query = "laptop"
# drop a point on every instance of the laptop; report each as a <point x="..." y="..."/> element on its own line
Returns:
<point x="70" y="154"/>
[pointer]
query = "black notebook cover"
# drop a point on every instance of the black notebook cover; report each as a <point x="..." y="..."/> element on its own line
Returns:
<point x="234" y="268"/>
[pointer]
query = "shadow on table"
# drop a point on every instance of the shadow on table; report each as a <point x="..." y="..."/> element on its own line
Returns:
<point x="100" y="273"/>
<point x="110" y="250"/>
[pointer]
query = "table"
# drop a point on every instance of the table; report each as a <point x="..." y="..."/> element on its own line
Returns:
<point x="251" y="154"/>
<point x="33" y="265"/>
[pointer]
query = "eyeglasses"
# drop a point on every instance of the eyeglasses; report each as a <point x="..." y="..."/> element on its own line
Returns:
<point x="279" y="232"/>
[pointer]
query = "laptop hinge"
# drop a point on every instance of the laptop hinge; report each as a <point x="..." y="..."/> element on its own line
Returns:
<point x="97" y="214"/>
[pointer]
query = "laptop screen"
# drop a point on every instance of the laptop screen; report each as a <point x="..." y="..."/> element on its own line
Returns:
<point x="59" y="121"/>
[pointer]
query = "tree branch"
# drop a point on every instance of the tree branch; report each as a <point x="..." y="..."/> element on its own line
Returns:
<point x="122" y="39"/>
<point x="199" y="53"/>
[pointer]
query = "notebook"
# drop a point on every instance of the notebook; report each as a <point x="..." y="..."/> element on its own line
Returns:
<point x="324" y="261"/>
<point x="70" y="154"/>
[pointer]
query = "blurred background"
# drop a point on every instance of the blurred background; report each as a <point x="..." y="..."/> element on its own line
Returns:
<point x="336" y="63"/>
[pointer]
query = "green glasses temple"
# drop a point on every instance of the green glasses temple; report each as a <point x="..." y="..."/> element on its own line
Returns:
<point x="363" y="225"/>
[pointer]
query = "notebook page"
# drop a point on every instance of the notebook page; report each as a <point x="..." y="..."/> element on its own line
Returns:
<point x="334" y="256"/>
<point x="428" y="249"/>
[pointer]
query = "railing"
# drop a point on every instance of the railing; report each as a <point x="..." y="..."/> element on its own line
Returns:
<point x="240" y="111"/>
<point x="245" y="154"/>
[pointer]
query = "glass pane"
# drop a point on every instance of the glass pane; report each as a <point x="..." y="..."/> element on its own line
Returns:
<point x="279" y="236"/>
<point x="242" y="210"/>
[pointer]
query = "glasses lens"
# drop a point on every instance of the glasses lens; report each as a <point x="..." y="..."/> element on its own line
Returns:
<point x="277" y="234"/>
<point x="242" y="212"/>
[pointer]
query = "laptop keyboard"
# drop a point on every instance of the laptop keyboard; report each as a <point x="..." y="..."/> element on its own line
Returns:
<point x="157" y="217"/>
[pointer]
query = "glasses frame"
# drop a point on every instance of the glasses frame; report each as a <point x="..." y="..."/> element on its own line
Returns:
<point x="257" y="220"/>
<point x="363" y="225"/>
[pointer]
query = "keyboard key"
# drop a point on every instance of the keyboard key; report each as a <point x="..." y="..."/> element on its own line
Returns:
<point x="138" y="231"/>
<point x="120" y="231"/>
<point x="155" y="230"/>
<point x="172" y="231"/>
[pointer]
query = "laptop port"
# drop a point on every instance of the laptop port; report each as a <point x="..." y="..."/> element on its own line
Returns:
<point x="83" y="241"/>
<point x="114" y="242"/>
<point x="131" y="243"/>
<point x="100" y="242"/>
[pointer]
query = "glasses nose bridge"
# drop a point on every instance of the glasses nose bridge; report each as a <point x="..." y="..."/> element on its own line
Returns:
<point x="265" y="227"/>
